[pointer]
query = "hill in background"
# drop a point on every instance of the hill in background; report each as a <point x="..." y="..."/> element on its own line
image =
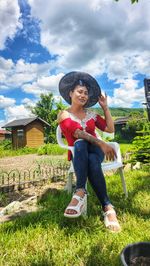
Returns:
<point x="121" y="112"/>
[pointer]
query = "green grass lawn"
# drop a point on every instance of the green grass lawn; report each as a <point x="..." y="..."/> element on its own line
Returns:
<point x="48" y="238"/>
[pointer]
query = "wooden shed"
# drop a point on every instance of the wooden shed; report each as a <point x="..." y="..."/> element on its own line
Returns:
<point x="27" y="132"/>
<point x="121" y="121"/>
<point x="119" y="126"/>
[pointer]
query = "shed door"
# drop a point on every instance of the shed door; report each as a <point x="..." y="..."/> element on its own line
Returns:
<point x="20" y="138"/>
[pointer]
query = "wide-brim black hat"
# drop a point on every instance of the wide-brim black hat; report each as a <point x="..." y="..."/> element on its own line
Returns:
<point x="67" y="83"/>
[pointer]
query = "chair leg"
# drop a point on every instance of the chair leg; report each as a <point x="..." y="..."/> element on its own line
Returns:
<point x="123" y="181"/>
<point x="69" y="183"/>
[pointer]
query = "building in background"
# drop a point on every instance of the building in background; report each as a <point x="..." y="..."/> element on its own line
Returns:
<point x="27" y="132"/>
<point x="4" y="134"/>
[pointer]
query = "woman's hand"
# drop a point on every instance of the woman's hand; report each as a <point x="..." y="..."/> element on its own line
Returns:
<point x="103" y="101"/>
<point x="109" y="152"/>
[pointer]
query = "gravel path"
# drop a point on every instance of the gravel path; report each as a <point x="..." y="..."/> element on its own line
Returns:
<point x="24" y="161"/>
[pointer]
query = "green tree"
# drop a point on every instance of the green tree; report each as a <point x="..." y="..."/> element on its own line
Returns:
<point x="47" y="109"/>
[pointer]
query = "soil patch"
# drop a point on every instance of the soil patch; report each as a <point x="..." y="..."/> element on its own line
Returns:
<point x="24" y="162"/>
<point x="25" y="202"/>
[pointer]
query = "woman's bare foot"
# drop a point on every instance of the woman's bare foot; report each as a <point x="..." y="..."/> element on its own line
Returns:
<point x="110" y="219"/>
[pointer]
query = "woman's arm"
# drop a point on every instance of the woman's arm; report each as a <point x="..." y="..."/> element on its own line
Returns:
<point x="107" y="149"/>
<point x="109" y="121"/>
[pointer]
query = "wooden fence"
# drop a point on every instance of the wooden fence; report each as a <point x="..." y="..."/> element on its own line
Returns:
<point x="20" y="179"/>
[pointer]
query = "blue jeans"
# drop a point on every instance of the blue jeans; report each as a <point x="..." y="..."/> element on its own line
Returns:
<point x="87" y="164"/>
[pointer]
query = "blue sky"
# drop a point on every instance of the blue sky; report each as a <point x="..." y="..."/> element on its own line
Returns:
<point x="42" y="40"/>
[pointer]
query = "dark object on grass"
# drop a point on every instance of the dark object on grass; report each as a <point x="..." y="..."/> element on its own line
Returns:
<point x="137" y="254"/>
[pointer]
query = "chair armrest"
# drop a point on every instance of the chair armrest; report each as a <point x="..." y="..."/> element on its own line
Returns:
<point x="61" y="142"/>
<point x="116" y="147"/>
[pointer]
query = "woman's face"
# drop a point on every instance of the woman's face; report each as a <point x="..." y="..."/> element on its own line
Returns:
<point x="79" y="95"/>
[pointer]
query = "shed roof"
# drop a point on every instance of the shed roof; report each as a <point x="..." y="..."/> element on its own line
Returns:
<point x="121" y="120"/>
<point x="4" y="132"/>
<point x="24" y="122"/>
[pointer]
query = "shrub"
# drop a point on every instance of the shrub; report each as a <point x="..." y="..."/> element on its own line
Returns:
<point x="118" y="137"/>
<point x="51" y="149"/>
<point x="6" y="144"/>
<point x="26" y="150"/>
<point x="12" y="152"/>
<point x="42" y="150"/>
<point x="126" y="148"/>
<point x="141" y="145"/>
<point x="55" y="149"/>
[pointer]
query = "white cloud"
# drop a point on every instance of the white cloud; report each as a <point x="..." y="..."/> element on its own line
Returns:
<point x="17" y="112"/>
<point x="45" y="84"/>
<point x="6" y="102"/>
<point x="58" y="98"/>
<point x="105" y="29"/>
<point x="15" y="75"/>
<point x="5" y="64"/>
<point x="28" y="102"/>
<point x="9" y="20"/>
<point x="108" y="37"/>
<point x="127" y="94"/>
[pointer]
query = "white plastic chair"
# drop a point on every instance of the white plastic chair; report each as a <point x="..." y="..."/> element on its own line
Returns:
<point x="106" y="166"/>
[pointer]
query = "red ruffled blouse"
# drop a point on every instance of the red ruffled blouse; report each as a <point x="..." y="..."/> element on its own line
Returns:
<point x="88" y="124"/>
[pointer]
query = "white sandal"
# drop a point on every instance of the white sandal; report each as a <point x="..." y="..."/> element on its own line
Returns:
<point x="79" y="208"/>
<point x="109" y="223"/>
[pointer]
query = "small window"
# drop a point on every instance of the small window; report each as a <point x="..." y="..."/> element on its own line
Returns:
<point x="20" y="132"/>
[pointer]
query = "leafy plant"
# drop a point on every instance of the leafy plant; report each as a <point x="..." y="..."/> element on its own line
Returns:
<point x="42" y="150"/>
<point x="51" y="149"/>
<point x="10" y="152"/>
<point x="6" y="144"/>
<point x="63" y="162"/>
<point x="141" y="145"/>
